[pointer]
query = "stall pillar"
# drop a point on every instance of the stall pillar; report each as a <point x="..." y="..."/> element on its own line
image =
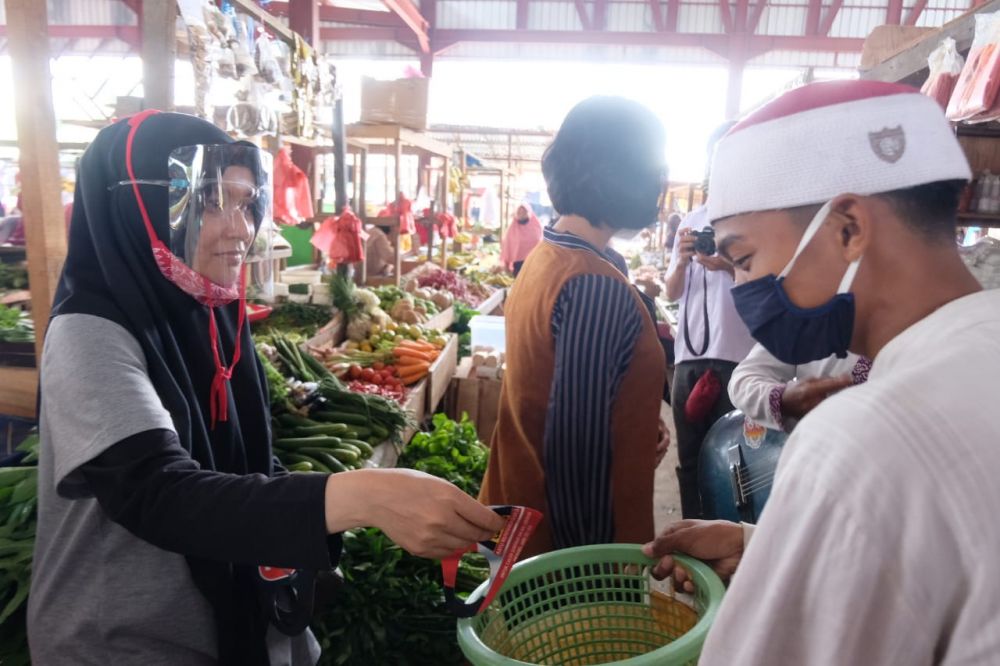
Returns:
<point x="41" y="181"/>
<point x="159" y="51"/>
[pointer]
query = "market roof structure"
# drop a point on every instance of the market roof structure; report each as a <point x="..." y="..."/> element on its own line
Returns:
<point x="740" y="33"/>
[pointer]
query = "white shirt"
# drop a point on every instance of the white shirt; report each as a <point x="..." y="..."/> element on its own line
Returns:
<point x="729" y="339"/>
<point x="760" y="379"/>
<point x="880" y="541"/>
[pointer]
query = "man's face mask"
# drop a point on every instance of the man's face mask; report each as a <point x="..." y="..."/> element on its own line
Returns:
<point x="793" y="334"/>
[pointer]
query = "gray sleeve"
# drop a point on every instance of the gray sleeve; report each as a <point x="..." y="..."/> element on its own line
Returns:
<point x="95" y="392"/>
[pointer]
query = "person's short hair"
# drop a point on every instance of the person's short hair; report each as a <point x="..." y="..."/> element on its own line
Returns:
<point x="607" y="163"/>
<point x="930" y="210"/>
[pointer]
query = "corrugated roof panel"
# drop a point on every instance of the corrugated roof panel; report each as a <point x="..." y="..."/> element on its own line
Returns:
<point x="476" y="14"/>
<point x="90" y="12"/>
<point x="366" y="49"/>
<point x="630" y="17"/>
<point x="549" y="15"/>
<point x="856" y="21"/>
<point x="645" y="54"/>
<point x="832" y="61"/>
<point x="935" y="18"/>
<point x="784" y="20"/>
<point x="699" y="18"/>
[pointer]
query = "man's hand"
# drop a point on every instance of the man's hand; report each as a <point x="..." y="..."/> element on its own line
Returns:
<point x="686" y="249"/>
<point x="801" y="397"/>
<point x="716" y="263"/>
<point x="718" y="543"/>
<point x="663" y="445"/>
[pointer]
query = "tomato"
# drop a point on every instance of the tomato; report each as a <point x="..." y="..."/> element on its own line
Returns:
<point x="355" y="372"/>
<point x="367" y="374"/>
<point x="378" y="365"/>
<point x="377" y="379"/>
<point x="391" y="369"/>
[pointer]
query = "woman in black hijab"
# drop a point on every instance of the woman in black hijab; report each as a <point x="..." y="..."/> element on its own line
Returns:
<point x="163" y="516"/>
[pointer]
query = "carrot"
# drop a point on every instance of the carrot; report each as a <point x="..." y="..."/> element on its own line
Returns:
<point x="408" y="368"/>
<point x="408" y="379"/>
<point x="411" y="353"/>
<point x="419" y="346"/>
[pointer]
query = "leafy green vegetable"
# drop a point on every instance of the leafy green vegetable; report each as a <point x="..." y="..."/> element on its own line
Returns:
<point x="16" y="325"/>
<point x="300" y="318"/>
<point x="452" y="451"/>
<point x="277" y="385"/>
<point x="463" y="315"/>
<point x="13" y="276"/>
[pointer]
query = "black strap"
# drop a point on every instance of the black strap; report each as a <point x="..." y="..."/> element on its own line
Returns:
<point x="687" y="303"/>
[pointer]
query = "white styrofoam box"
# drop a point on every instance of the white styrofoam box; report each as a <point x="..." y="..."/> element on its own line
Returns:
<point x="299" y="298"/>
<point x="322" y="299"/>
<point x="321" y="288"/>
<point x="488" y="331"/>
<point x="298" y="276"/>
<point x="280" y="289"/>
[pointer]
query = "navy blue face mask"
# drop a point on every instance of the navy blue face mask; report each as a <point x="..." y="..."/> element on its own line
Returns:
<point x="793" y="334"/>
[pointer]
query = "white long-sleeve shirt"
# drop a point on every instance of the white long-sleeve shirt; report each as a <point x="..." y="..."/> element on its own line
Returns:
<point x="759" y="381"/>
<point x="879" y="541"/>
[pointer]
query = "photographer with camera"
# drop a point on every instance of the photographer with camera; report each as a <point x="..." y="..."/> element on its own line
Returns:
<point x="711" y="340"/>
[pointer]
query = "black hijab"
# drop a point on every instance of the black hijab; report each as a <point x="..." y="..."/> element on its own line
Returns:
<point x="110" y="272"/>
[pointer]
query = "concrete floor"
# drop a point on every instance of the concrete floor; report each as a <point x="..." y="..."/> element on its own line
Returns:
<point x="666" y="495"/>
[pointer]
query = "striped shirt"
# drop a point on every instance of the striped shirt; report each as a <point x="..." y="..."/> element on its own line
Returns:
<point x="595" y="325"/>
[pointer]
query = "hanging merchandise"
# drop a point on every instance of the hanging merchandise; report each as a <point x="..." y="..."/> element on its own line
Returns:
<point x="292" y="198"/>
<point x="267" y="62"/>
<point x="242" y="46"/>
<point x="945" y="65"/>
<point x="341" y="238"/>
<point x="979" y="82"/>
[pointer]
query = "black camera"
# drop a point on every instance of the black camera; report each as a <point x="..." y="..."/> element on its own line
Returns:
<point x="704" y="241"/>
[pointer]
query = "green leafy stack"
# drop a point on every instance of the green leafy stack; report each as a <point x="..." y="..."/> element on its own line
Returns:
<point x="452" y="451"/>
<point x="16" y="325"/>
<point x="18" y="502"/>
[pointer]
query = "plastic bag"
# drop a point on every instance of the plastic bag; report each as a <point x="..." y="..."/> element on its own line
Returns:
<point x="977" y="87"/>
<point x="945" y="65"/>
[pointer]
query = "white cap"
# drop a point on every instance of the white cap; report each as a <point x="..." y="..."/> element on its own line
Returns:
<point x="826" y="139"/>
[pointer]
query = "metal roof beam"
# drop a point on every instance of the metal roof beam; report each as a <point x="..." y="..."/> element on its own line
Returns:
<point x="522" y="15"/>
<point x="581" y="10"/>
<point x="758" y="11"/>
<point x="831" y="16"/>
<point x="673" y="13"/>
<point x="915" y="12"/>
<point x="129" y="34"/>
<point x="813" y="17"/>
<point x="726" y="12"/>
<point x="600" y="21"/>
<point x="345" y="15"/>
<point x="894" y="13"/>
<point x="408" y="12"/>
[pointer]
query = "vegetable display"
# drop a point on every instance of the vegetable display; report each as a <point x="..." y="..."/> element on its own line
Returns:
<point x="372" y="418"/>
<point x="300" y="318"/>
<point x="329" y="442"/>
<point x="18" y="501"/>
<point x="16" y="325"/>
<point x="390" y="609"/>
<point x="13" y="276"/>
<point x="451" y="451"/>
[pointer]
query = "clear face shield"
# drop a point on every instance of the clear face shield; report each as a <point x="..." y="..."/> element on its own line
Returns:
<point x="220" y="228"/>
<point x="220" y="214"/>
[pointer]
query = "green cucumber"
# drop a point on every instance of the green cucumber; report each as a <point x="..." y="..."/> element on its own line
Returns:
<point x="350" y="418"/>
<point x="25" y="490"/>
<point x="358" y="433"/>
<point x="295" y="458"/>
<point x="316" y="441"/>
<point x="295" y="421"/>
<point x="322" y="429"/>
<point x="351" y="448"/>
<point x="11" y="476"/>
<point x="328" y="458"/>
<point x="366" y="449"/>
<point x="301" y="467"/>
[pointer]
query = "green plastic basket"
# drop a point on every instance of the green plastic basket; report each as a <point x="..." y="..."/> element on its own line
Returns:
<point x="591" y="605"/>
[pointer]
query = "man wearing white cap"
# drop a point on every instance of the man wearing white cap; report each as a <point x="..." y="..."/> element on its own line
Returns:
<point x="880" y="538"/>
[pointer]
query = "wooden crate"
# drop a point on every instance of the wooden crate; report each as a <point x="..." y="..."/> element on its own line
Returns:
<point x="442" y="370"/>
<point x="477" y="397"/>
<point x="493" y="303"/>
<point x="442" y="320"/>
<point x="330" y="335"/>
